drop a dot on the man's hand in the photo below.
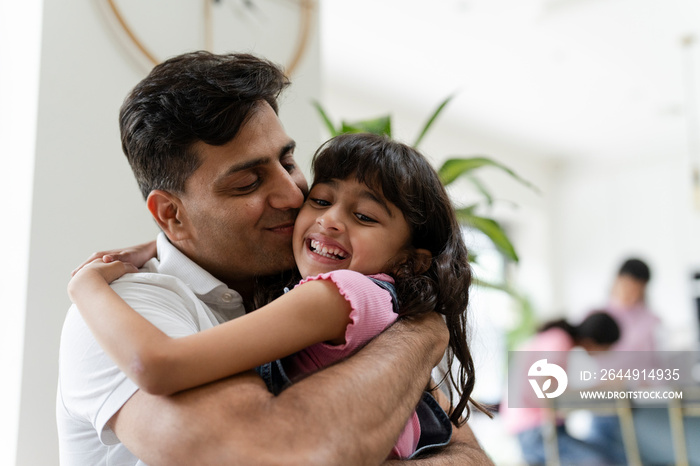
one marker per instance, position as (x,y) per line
(431,331)
(136,255)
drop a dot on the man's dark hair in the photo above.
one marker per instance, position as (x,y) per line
(193,97)
(636,269)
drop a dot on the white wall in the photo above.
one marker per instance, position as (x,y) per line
(84,197)
(605,213)
(19,83)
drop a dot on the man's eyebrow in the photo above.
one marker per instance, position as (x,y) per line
(248,164)
(289,147)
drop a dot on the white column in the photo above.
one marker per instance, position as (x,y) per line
(20,36)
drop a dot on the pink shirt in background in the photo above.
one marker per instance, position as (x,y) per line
(519,419)
(637,328)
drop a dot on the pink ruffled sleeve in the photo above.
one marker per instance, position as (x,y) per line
(372,312)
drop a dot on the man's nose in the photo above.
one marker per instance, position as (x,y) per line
(287,193)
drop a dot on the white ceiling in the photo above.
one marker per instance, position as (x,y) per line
(572,79)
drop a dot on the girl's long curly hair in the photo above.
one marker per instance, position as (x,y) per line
(406,179)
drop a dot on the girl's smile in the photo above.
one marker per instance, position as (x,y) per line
(326,247)
(346,225)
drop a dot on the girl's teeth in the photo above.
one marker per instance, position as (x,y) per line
(323,250)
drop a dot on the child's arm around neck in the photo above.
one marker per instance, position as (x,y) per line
(158,364)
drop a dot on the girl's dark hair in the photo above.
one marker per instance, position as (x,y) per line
(599,326)
(406,179)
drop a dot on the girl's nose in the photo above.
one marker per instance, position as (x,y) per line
(330,220)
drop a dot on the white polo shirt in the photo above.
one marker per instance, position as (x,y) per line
(177,296)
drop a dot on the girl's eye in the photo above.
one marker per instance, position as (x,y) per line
(364,218)
(320,202)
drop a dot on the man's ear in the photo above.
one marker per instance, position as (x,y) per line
(169,214)
(422,260)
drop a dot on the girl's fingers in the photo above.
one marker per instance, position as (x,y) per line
(137,255)
(130,268)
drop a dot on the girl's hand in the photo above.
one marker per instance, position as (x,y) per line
(110,271)
(136,255)
(105,272)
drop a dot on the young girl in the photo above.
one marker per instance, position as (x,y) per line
(377,235)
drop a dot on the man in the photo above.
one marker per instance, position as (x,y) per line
(639,327)
(217,170)
(628,306)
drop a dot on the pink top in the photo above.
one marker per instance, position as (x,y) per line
(371,312)
(520,419)
(637,328)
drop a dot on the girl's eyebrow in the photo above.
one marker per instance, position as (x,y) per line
(372,196)
(366,193)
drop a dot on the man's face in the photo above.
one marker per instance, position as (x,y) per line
(242,201)
(627,291)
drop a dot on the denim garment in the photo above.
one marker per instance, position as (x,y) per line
(572,451)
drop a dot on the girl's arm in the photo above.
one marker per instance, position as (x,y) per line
(312,313)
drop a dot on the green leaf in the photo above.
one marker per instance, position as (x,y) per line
(380,126)
(329,124)
(527,325)
(431,120)
(481,188)
(456,167)
(494,286)
(466,211)
(490,228)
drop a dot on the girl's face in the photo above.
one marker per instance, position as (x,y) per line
(346,225)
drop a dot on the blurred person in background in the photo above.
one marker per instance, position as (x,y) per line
(639,328)
(638,324)
(525,417)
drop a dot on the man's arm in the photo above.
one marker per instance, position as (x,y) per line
(349,413)
(464,448)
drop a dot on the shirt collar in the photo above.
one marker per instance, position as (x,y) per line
(173,262)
